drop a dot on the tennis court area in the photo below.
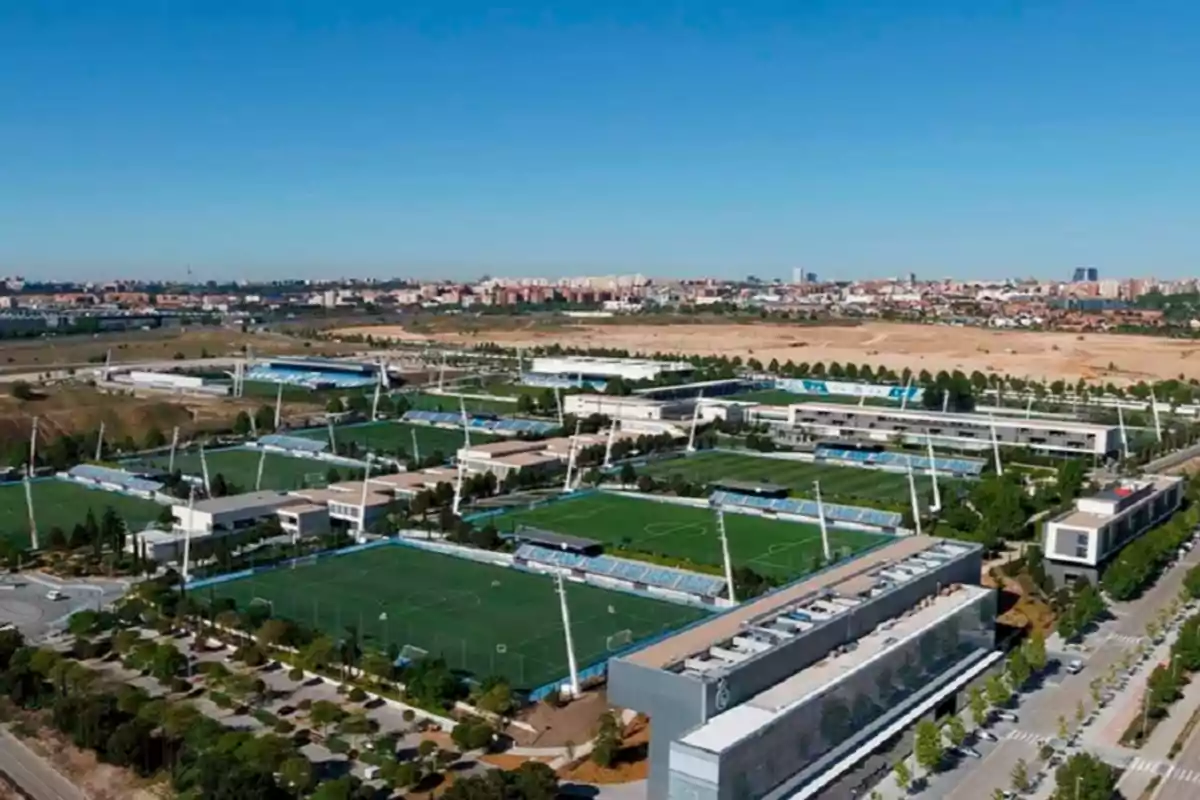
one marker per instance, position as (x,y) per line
(240,467)
(767,546)
(484,620)
(389,436)
(837,482)
(62,504)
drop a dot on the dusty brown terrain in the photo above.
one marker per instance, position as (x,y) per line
(1093,357)
(130,346)
(632,762)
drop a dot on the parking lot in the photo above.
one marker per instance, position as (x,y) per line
(25,601)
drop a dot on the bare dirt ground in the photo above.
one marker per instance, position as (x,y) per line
(1093,357)
(632,763)
(17,355)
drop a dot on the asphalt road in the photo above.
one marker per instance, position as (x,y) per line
(33,773)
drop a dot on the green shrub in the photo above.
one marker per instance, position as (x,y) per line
(296,674)
(284,727)
(336,744)
(357,695)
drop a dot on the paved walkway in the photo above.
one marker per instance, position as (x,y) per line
(34,774)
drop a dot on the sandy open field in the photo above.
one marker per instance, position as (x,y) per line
(1094,357)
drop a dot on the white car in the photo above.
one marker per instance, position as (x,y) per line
(1075,667)
(987,736)
(1007,716)
(55,594)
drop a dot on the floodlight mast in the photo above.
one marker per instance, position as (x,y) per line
(608,447)
(725,554)
(1157,421)
(571,458)
(937,495)
(253,426)
(29,473)
(362,504)
(559,403)
(262,460)
(375,401)
(466,423)
(912,491)
(204,472)
(907,388)
(100,442)
(1124,435)
(823,524)
(995,446)
(458,487)
(279,406)
(187,534)
(332,438)
(691,445)
(566,620)
(174,445)
(416,447)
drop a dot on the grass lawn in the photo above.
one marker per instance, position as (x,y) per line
(388,436)
(437,402)
(484,620)
(63,504)
(838,483)
(240,467)
(768,546)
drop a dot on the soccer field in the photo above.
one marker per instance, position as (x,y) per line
(838,483)
(483,619)
(388,436)
(61,504)
(240,467)
(436,402)
(768,546)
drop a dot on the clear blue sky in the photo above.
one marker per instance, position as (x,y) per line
(269,138)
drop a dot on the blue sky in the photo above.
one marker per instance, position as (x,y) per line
(270,139)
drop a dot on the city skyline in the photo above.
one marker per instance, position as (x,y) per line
(856,141)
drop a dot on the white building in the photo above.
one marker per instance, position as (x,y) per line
(233,513)
(510,457)
(628,407)
(1081,540)
(599,369)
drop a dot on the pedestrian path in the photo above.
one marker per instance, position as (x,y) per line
(1024,736)
(1126,639)
(1165,769)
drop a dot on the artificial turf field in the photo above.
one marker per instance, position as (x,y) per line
(388,436)
(437,402)
(768,546)
(62,504)
(240,467)
(837,482)
(483,619)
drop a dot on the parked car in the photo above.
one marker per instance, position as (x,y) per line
(1075,666)
(963,750)
(1007,716)
(987,736)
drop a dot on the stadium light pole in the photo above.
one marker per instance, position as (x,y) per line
(100,442)
(29,473)
(384,378)
(571,458)
(1124,435)
(904,397)
(912,491)
(458,486)
(995,446)
(174,445)
(253,426)
(725,554)
(107,363)
(945,402)
(375,400)
(187,534)
(362,501)
(612,435)
(1029,407)
(442,372)
(558,402)
(566,620)
(279,406)
(691,445)
(204,472)
(821,521)
(332,438)
(1157,421)
(462,409)
(262,461)
(416,447)
(937,495)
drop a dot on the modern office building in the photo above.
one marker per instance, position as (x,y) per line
(1080,541)
(596,372)
(628,407)
(951,430)
(783,695)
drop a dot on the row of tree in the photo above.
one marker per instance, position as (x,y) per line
(1141,561)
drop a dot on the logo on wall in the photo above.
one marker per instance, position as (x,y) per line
(722,694)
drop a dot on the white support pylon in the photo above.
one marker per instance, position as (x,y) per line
(384,377)
(691,444)
(1124,435)
(612,435)
(253,426)
(174,446)
(107,363)
(466,423)
(937,495)
(728,564)
(912,491)
(1029,407)
(187,533)
(458,487)
(33,531)
(279,406)
(945,402)
(375,401)
(416,447)
(572,666)
(100,442)
(442,372)
(995,445)
(558,402)
(332,438)
(262,462)
(825,549)
(1157,421)
(571,458)
(204,472)
(907,388)
(362,501)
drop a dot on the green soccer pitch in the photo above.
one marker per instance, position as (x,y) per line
(62,504)
(838,483)
(483,619)
(240,467)
(388,436)
(768,546)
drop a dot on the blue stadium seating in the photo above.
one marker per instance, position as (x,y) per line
(296,443)
(624,569)
(834,512)
(953,466)
(295,376)
(90,473)
(484,424)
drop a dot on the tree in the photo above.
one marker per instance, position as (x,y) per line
(241,424)
(1085,777)
(324,713)
(1017,669)
(1020,776)
(608,740)
(1035,651)
(472,734)
(297,775)
(1162,689)
(903,775)
(978,705)
(928,748)
(998,693)
(21,390)
(335,406)
(318,653)
(629,475)
(1064,730)
(955,730)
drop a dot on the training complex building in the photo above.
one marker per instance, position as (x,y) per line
(786,694)
(1079,542)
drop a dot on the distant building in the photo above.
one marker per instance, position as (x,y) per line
(800,277)
(1086,275)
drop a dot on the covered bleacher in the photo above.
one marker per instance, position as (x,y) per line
(834,512)
(557,541)
(296,444)
(109,478)
(952,466)
(485,424)
(756,488)
(623,569)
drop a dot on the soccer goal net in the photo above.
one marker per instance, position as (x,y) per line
(410,653)
(618,640)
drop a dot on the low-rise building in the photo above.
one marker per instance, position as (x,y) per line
(1079,542)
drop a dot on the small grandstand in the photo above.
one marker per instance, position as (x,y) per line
(484,424)
(958,467)
(638,574)
(112,480)
(887,521)
(316,373)
(293,444)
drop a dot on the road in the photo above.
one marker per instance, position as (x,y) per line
(33,773)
